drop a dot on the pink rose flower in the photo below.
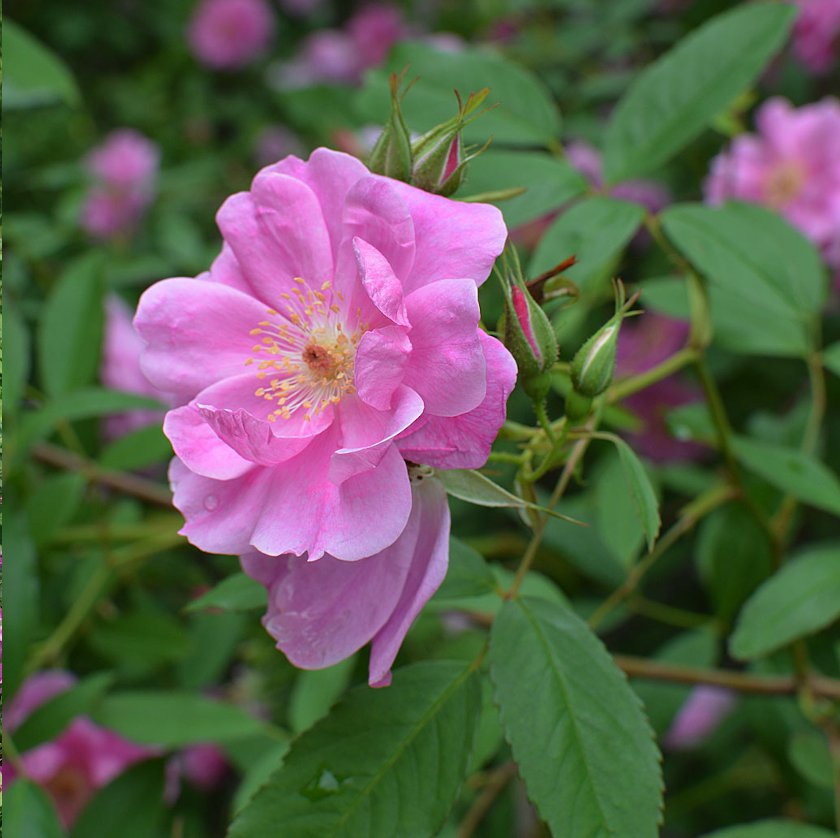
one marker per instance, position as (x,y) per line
(643,343)
(816,35)
(124,171)
(792,166)
(228,34)
(374,30)
(120,369)
(80,760)
(335,337)
(705,708)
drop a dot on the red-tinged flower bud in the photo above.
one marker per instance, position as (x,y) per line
(528,332)
(391,156)
(594,363)
(440,160)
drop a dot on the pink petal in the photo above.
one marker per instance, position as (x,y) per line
(277,232)
(454,239)
(225,269)
(464,441)
(367,432)
(330,175)
(295,508)
(426,541)
(446,366)
(375,212)
(322,612)
(380,364)
(382,286)
(198,445)
(196,332)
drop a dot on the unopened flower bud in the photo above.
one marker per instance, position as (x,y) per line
(391,156)
(439,158)
(528,332)
(594,363)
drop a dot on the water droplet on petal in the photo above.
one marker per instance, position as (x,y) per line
(211,502)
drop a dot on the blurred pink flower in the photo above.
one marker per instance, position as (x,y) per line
(203,766)
(124,171)
(120,369)
(275,142)
(322,612)
(335,336)
(587,160)
(228,34)
(643,343)
(792,166)
(361,292)
(705,708)
(80,760)
(341,56)
(816,35)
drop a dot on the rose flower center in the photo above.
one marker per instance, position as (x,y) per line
(306,356)
(783,184)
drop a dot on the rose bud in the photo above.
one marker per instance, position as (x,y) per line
(391,156)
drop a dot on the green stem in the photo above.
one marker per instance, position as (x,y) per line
(629,386)
(667,614)
(690,515)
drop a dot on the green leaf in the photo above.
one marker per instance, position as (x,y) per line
(48,720)
(213,642)
(28,812)
(549,182)
(831,358)
(583,746)
(790,470)
(678,95)
(810,755)
(53,504)
(33,74)
(140,639)
(617,511)
(640,489)
(20,600)
(15,359)
(82,404)
(474,487)
(174,719)
(734,556)
(799,600)
(771,829)
(766,280)
(316,691)
(137,450)
(238,592)
(525,115)
(468,574)
(131,806)
(384,762)
(70,330)
(595,230)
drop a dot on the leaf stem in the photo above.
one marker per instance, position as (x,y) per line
(669,366)
(495,785)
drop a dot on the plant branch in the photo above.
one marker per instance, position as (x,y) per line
(669,366)
(744,682)
(128,484)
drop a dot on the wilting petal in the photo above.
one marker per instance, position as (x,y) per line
(464,441)
(322,612)
(446,366)
(426,540)
(197,333)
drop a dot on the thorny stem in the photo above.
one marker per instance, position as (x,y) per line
(690,515)
(128,484)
